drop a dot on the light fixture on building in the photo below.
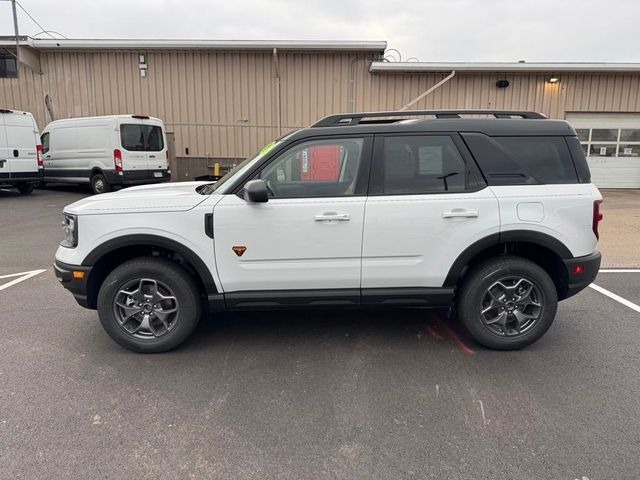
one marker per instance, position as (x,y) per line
(502,83)
(142,66)
(554,80)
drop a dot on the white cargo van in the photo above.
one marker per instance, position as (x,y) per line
(20,161)
(105,151)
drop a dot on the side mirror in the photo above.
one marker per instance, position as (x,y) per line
(255,191)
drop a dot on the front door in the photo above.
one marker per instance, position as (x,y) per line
(426,205)
(308,236)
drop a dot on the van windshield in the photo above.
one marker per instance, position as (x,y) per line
(141,138)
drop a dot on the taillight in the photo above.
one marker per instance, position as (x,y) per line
(117,160)
(597,216)
(39,155)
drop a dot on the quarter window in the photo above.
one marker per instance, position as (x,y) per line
(547,159)
(321,168)
(420,164)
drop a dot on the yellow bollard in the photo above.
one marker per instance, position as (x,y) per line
(216,169)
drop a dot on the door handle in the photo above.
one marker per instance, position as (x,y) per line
(327,217)
(47,156)
(460,214)
(152,156)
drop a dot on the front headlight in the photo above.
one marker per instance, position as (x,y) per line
(70,228)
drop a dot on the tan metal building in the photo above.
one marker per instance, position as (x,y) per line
(223,100)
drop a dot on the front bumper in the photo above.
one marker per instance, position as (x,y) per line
(580,281)
(77,286)
(139,177)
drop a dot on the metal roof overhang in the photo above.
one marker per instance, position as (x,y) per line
(507,67)
(195,44)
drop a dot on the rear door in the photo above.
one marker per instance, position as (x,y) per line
(144,146)
(22,139)
(427,203)
(5,165)
(132,141)
(155,145)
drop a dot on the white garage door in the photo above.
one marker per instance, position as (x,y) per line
(611,142)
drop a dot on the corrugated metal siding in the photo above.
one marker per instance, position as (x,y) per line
(224,104)
(585,92)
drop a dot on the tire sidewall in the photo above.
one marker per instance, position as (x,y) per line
(96,177)
(482,278)
(173,276)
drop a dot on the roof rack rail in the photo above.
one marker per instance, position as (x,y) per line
(356,118)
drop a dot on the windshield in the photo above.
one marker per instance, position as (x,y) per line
(212,187)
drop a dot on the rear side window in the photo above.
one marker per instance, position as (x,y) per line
(141,138)
(547,159)
(522,160)
(417,164)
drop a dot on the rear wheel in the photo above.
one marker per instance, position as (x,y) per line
(507,303)
(149,305)
(26,188)
(99,184)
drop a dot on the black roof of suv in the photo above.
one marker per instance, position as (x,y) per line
(494,122)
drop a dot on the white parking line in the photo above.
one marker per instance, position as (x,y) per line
(22,276)
(619,270)
(615,297)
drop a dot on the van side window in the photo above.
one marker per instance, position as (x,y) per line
(44,141)
(419,164)
(141,138)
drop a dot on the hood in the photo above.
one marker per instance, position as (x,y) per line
(164,197)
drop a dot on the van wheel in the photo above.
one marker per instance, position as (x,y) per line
(99,184)
(149,305)
(26,188)
(507,303)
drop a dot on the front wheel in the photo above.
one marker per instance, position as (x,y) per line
(149,305)
(507,303)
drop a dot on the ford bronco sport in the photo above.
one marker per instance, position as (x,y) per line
(488,213)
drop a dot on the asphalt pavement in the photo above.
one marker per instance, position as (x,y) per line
(306,395)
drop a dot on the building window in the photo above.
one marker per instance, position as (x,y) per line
(610,142)
(8,67)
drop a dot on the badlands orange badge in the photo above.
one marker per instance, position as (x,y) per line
(239,250)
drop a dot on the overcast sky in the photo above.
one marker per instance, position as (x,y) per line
(431,30)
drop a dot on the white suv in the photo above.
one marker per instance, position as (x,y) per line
(494,218)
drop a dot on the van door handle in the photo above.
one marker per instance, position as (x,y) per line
(328,217)
(460,214)
(152,156)
(47,156)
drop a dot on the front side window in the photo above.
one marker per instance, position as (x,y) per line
(141,138)
(44,141)
(419,164)
(320,168)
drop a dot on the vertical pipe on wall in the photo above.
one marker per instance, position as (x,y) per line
(15,31)
(278,101)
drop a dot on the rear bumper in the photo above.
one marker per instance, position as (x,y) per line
(580,281)
(77,286)
(139,177)
(20,177)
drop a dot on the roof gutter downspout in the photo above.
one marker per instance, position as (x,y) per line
(278,105)
(427,92)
